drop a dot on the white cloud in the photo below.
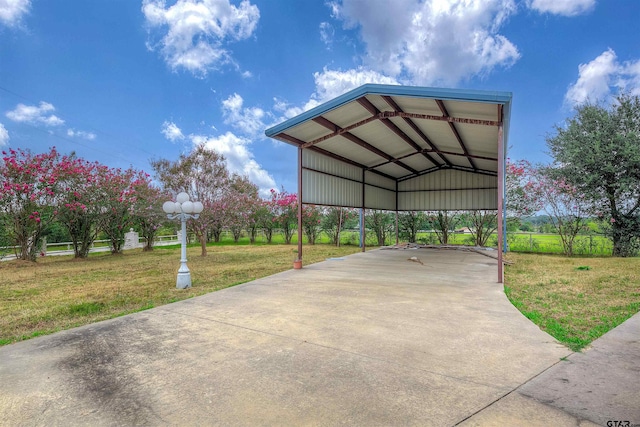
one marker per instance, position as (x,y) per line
(432,41)
(4,136)
(562,7)
(172,132)
(248,121)
(333,83)
(35,114)
(197,30)
(12,11)
(239,158)
(327,32)
(328,85)
(597,78)
(81,134)
(629,78)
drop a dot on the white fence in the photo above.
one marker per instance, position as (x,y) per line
(66,248)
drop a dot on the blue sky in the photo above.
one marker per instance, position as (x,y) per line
(124,81)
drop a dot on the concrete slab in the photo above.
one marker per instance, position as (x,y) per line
(601,384)
(371,339)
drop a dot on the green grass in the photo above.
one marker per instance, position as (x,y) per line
(575,303)
(60,292)
(576,300)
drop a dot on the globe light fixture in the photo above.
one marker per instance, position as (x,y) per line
(183,209)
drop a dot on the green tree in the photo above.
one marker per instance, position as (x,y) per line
(485,223)
(409,223)
(444,223)
(598,152)
(381,223)
(332,223)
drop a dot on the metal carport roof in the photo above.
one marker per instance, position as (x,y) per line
(402,148)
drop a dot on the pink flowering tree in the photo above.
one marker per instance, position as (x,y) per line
(217,221)
(285,206)
(257,216)
(118,203)
(242,197)
(148,215)
(29,192)
(521,198)
(204,176)
(566,206)
(81,204)
(311,220)
(266,218)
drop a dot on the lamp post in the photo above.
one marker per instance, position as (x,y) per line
(184,209)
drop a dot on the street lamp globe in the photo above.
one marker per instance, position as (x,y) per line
(183,209)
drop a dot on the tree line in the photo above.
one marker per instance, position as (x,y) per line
(594,176)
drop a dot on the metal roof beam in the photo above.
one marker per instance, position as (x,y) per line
(283,136)
(449,153)
(349,162)
(440,118)
(395,129)
(351,137)
(337,132)
(416,129)
(445,113)
(460,168)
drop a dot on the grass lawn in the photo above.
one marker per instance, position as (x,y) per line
(58,292)
(576,300)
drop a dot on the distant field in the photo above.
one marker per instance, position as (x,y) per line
(518,242)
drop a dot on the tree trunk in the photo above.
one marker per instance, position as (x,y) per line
(203,244)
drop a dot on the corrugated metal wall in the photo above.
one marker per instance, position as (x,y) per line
(380,181)
(321,189)
(339,185)
(328,181)
(317,161)
(378,198)
(448,190)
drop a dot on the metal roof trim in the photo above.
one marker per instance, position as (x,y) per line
(493,97)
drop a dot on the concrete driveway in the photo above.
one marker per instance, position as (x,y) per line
(371,339)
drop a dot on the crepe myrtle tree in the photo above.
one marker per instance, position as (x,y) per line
(256,220)
(29,193)
(285,208)
(118,203)
(409,223)
(332,222)
(311,220)
(567,208)
(483,224)
(148,215)
(444,223)
(597,152)
(381,223)
(522,199)
(267,219)
(203,175)
(81,205)
(216,211)
(242,198)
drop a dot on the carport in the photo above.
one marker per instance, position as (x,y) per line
(403,148)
